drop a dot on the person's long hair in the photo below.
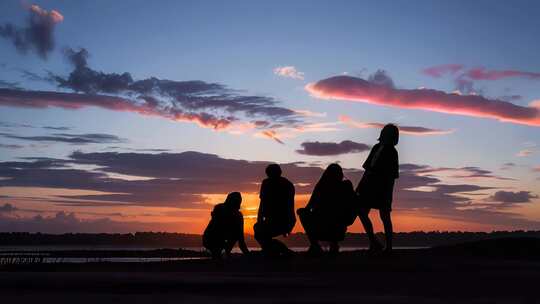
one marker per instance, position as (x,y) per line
(332,175)
(389,135)
(233,200)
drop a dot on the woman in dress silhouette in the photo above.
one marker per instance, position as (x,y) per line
(376,186)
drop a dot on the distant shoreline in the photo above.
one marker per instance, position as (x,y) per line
(181,240)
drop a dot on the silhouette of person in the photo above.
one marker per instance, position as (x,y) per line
(377,184)
(325,216)
(226,227)
(276,212)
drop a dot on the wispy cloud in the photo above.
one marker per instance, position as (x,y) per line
(8,146)
(316,148)
(441,70)
(210,105)
(511,198)
(465,78)
(38,33)
(524,153)
(478,73)
(272,135)
(508,166)
(182,179)
(289,72)
(410,130)
(78,139)
(308,113)
(485,74)
(282,132)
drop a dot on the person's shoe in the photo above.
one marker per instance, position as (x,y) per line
(314,251)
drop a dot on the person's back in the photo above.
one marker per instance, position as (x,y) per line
(276,212)
(277,204)
(224,223)
(329,210)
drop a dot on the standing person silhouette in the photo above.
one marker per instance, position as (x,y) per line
(325,217)
(226,227)
(375,189)
(276,212)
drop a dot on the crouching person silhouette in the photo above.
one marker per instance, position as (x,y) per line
(377,184)
(226,227)
(276,212)
(329,211)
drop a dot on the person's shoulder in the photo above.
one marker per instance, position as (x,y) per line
(218,210)
(347,183)
(239,215)
(394,150)
(286,181)
(390,149)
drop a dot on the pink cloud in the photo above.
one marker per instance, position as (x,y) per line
(524,153)
(360,90)
(272,135)
(289,72)
(74,101)
(440,70)
(478,73)
(483,74)
(409,130)
(54,16)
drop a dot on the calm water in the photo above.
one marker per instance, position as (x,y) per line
(198,249)
(7,251)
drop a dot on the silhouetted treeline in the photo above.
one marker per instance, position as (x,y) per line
(146,239)
(182,240)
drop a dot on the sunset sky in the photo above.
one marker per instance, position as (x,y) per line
(132,116)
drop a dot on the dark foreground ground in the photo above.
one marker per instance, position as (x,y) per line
(503,271)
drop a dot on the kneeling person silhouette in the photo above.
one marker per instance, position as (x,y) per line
(329,210)
(276,212)
(226,227)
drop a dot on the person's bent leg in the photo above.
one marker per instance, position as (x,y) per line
(216,253)
(307,222)
(334,248)
(388,229)
(214,246)
(280,248)
(262,236)
(368,227)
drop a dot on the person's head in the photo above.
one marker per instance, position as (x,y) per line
(273,171)
(389,135)
(332,173)
(233,200)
